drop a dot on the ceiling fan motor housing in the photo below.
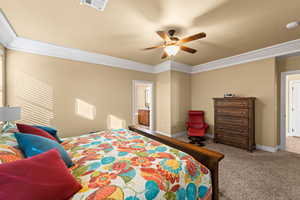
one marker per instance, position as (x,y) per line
(172,32)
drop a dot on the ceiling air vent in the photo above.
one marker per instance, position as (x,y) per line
(98,4)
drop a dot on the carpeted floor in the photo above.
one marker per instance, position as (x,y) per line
(257,176)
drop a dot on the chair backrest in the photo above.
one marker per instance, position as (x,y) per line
(196,117)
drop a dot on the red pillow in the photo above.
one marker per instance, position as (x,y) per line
(44,176)
(27,129)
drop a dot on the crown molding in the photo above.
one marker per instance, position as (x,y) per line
(7,33)
(282,49)
(46,49)
(172,65)
(180,67)
(162,67)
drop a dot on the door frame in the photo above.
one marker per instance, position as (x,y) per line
(283,102)
(152,105)
(291,84)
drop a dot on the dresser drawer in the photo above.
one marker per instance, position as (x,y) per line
(236,142)
(232,112)
(224,120)
(232,131)
(232,103)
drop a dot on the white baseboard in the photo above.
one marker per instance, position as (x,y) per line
(179,134)
(166,134)
(175,135)
(210,135)
(267,148)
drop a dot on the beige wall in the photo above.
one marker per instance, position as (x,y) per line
(288,63)
(50,89)
(180,100)
(163,99)
(255,79)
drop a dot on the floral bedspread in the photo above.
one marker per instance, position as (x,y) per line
(123,165)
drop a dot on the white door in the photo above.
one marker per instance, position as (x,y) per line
(294,127)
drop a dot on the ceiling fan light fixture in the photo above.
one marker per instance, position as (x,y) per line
(172,50)
(97,4)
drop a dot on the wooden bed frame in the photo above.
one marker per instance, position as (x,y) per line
(207,157)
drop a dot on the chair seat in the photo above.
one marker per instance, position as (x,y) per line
(196,132)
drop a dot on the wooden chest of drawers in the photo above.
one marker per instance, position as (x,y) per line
(235,122)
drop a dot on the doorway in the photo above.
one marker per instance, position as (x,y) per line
(142,105)
(290,131)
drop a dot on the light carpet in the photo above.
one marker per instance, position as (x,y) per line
(257,176)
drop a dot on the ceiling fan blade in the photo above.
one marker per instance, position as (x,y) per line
(163,35)
(154,47)
(164,55)
(193,37)
(188,49)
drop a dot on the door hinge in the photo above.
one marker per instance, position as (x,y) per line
(293,130)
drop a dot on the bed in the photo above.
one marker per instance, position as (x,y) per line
(134,165)
(122,164)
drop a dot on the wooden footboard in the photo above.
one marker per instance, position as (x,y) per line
(207,157)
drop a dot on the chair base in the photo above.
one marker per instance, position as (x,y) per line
(197,140)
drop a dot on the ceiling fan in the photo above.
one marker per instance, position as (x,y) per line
(173,44)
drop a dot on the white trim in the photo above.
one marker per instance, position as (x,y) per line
(46,49)
(162,67)
(42,48)
(172,65)
(267,148)
(281,49)
(283,107)
(210,135)
(152,105)
(180,67)
(291,83)
(7,33)
(163,133)
(179,134)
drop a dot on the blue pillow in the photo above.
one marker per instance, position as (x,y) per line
(32,145)
(51,131)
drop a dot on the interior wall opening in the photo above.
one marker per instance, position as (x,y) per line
(292,113)
(143,112)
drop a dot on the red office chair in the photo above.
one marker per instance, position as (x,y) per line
(196,127)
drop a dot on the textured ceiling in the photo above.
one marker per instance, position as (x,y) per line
(126,26)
